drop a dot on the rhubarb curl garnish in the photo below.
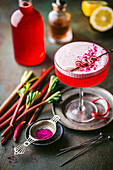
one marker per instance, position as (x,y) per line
(84,63)
(97,115)
(88,62)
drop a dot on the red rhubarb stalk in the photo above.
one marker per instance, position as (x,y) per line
(38,109)
(6,122)
(53,98)
(17,130)
(19,126)
(41,78)
(16,111)
(8,113)
(52,85)
(6,131)
(21,116)
(30,110)
(33,108)
(35,115)
(33,88)
(22,93)
(13,94)
(5,139)
(43,71)
(43,91)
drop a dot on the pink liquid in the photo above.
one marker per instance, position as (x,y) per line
(68,54)
(28,35)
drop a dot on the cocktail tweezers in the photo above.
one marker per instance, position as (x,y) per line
(87,146)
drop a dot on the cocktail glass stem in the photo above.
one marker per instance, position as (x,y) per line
(81,102)
(79,109)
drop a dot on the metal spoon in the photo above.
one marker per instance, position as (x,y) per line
(43,124)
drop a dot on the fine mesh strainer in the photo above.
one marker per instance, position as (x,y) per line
(43,124)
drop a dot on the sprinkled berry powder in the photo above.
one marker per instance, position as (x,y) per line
(43,134)
(12,160)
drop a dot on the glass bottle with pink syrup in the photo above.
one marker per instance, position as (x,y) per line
(27,35)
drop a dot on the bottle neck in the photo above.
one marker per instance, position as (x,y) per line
(59,6)
(25,6)
(59,9)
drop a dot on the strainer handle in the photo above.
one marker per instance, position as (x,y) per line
(21,148)
(55,118)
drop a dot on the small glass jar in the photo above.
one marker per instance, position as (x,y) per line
(59,24)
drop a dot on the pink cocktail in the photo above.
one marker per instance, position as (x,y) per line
(90,70)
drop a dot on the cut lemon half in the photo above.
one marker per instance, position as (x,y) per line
(89,6)
(102,18)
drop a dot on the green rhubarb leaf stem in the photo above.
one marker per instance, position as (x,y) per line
(31,98)
(52,85)
(56,97)
(53,82)
(26,76)
(24,90)
(51,88)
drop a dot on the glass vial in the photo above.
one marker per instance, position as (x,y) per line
(59,23)
(27,34)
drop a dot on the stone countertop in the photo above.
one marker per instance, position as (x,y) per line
(44,157)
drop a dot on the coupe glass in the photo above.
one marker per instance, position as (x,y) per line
(89,71)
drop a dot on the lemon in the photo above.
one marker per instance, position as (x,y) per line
(102,18)
(89,6)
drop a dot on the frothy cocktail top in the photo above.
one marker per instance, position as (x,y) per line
(68,55)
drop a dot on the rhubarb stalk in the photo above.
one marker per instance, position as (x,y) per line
(8,113)
(6,122)
(41,78)
(17,130)
(37,83)
(31,98)
(53,98)
(21,93)
(5,139)
(24,79)
(52,85)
